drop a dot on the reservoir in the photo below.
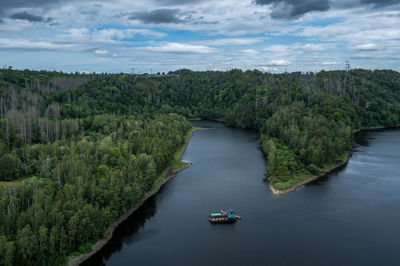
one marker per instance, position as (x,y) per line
(351,217)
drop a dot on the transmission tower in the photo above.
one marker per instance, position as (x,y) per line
(347,65)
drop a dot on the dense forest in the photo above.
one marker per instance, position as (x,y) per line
(77,150)
(306,120)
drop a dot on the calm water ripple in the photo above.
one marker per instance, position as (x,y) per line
(351,217)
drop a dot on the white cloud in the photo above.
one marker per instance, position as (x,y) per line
(104,36)
(358,28)
(236,33)
(269,69)
(179,48)
(279,62)
(296,47)
(100,52)
(250,52)
(231,41)
(34,45)
(328,63)
(310,47)
(366,47)
(126,33)
(278,48)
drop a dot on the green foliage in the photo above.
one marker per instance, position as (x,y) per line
(11,167)
(83,149)
(176,162)
(84,183)
(7,250)
(85,248)
(304,142)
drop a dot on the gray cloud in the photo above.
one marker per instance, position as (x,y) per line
(158,16)
(289,9)
(178,2)
(33,18)
(27,16)
(344,4)
(380,3)
(375,57)
(7,4)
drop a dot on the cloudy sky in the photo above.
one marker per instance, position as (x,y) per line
(162,35)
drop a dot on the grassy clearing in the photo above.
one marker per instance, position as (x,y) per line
(176,162)
(159,181)
(14,181)
(291,182)
(6,182)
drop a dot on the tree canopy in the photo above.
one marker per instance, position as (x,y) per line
(80,150)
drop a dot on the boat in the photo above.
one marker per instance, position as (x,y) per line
(222,216)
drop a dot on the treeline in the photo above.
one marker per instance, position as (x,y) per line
(79,185)
(307,120)
(25,114)
(299,143)
(332,104)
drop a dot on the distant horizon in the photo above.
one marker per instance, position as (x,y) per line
(174,70)
(159,35)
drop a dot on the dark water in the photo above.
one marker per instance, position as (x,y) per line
(351,217)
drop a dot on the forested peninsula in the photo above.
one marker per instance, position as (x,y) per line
(77,151)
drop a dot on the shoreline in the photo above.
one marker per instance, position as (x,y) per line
(310,179)
(366,129)
(333,168)
(168,174)
(315,177)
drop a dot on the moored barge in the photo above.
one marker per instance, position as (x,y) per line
(223,217)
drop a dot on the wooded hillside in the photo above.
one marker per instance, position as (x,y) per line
(79,150)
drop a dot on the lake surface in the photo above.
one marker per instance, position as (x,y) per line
(351,217)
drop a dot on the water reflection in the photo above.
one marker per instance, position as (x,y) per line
(350,217)
(126,233)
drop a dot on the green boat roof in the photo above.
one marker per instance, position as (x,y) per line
(216,214)
(231,216)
